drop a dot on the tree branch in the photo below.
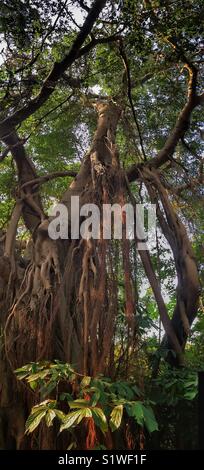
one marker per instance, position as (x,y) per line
(129,93)
(151,276)
(26,172)
(82,5)
(188,287)
(12,229)
(58,69)
(50,176)
(178,131)
(168,327)
(35,58)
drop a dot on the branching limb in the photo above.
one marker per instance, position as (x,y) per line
(179,129)
(35,58)
(58,69)
(154,283)
(26,172)
(188,288)
(129,93)
(11,230)
(42,179)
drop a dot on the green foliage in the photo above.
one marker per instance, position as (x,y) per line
(144,415)
(173,386)
(116,417)
(47,410)
(108,403)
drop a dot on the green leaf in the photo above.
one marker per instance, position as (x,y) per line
(44,405)
(33,385)
(75,417)
(123,390)
(95,397)
(71,420)
(85,381)
(50,415)
(39,375)
(116,417)
(190,395)
(79,403)
(66,396)
(21,374)
(136,411)
(71,446)
(34,420)
(100,447)
(150,420)
(60,415)
(100,419)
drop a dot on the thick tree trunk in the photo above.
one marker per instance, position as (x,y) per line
(62,301)
(65,306)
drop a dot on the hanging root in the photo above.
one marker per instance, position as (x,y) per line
(83,298)
(130,301)
(31,314)
(46,257)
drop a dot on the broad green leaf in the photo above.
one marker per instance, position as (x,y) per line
(79,403)
(66,396)
(44,405)
(149,419)
(100,419)
(33,385)
(71,420)
(50,415)
(72,446)
(136,390)
(75,417)
(136,411)
(39,375)
(34,420)
(60,415)
(85,381)
(21,374)
(190,395)
(95,397)
(116,417)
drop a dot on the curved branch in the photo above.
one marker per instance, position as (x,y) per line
(57,70)
(178,131)
(154,283)
(168,327)
(12,229)
(129,93)
(26,172)
(35,58)
(50,176)
(188,288)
